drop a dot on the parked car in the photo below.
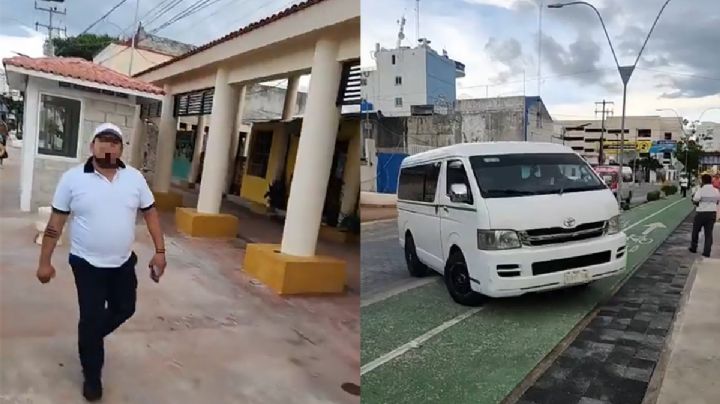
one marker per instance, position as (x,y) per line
(609,174)
(502,219)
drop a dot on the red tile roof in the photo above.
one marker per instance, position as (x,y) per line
(251,27)
(83,70)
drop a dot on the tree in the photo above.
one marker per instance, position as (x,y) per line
(645,165)
(84,46)
(692,153)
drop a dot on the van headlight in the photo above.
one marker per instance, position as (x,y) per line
(498,239)
(613,226)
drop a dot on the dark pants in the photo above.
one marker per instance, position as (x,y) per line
(96,287)
(684,191)
(706,221)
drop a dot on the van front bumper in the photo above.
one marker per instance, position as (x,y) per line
(519,262)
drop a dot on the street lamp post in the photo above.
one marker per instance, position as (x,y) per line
(625,74)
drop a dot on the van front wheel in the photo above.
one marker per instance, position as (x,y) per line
(415,267)
(457,280)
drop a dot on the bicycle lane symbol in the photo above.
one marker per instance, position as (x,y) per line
(636,240)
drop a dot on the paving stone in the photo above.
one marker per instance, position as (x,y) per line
(612,360)
(642,375)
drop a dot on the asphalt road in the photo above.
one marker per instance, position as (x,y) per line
(419,346)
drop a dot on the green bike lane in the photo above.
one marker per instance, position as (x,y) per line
(482,358)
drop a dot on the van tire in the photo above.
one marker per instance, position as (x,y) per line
(416,268)
(458,281)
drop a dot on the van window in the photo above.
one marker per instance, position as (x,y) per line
(419,183)
(432,172)
(533,174)
(456,174)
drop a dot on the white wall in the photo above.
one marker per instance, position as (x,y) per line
(711,129)
(40,173)
(410,64)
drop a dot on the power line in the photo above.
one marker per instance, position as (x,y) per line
(194,8)
(148,13)
(212,14)
(262,7)
(155,9)
(163,11)
(103,17)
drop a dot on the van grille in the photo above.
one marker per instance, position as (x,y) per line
(546,267)
(556,235)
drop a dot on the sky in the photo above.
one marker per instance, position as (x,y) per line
(219,17)
(498,42)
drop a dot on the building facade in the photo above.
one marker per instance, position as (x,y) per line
(506,119)
(411,76)
(708,136)
(641,134)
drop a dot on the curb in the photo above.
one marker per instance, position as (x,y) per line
(532,377)
(379,221)
(654,385)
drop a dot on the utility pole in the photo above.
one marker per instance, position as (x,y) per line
(604,112)
(50,50)
(135,34)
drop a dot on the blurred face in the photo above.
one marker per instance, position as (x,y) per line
(107,149)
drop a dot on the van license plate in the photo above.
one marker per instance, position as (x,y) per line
(580,276)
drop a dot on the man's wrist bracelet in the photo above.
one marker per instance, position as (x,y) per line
(160,251)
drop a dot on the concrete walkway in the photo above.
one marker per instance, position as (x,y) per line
(206,333)
(692,375)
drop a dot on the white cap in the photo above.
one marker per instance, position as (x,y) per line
(108,128)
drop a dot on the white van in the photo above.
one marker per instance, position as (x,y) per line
(508,218)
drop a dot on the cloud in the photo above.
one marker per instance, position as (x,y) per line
(30,43)
(507,4)
(508,53)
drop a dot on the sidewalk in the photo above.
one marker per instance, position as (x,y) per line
(692,372)
(206,333)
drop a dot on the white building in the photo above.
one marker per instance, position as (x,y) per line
(641,132)
(708,136)
(405,77)
(65,99)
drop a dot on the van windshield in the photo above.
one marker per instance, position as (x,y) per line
(510,175)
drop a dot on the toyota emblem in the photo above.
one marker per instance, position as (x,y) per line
(569,223)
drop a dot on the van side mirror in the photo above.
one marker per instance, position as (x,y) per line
(459,193)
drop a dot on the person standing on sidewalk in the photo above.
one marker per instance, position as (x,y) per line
(684,185)
(707,199)
(4,136)
(103,197)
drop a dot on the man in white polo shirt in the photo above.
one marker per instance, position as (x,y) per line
(102,198)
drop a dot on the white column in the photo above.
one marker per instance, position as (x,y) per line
(29,142)
(289,107)
(235,137)
(224,112)
(137,140)
(315,153)
(351,176)
(199,138)
(281,133)
(165,144)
